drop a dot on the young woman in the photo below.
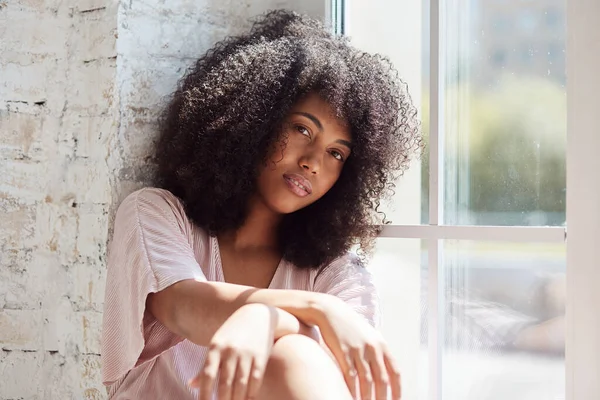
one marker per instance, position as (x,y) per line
(232,279)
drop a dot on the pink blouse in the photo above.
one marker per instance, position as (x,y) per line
(154,246)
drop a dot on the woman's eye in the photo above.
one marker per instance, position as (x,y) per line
(337,155)
(302,130)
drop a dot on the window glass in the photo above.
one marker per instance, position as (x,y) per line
(504,321)
(504,113)
(395,29)
(400,270)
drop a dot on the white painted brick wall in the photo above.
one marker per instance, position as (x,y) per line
(81,82)
(58,111)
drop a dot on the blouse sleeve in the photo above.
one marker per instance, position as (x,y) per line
(347,279)
(150,250)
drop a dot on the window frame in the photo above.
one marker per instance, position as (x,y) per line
(583,199)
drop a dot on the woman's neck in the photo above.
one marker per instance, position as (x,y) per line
(259,231)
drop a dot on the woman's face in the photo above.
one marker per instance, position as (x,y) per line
(308,160)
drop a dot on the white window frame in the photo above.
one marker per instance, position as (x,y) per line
(583,200)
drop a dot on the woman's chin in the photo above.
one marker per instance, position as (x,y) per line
(287,207)
(285,203)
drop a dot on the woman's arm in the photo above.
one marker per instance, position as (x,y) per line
(195,310)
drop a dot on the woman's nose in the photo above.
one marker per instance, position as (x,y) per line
(310,162)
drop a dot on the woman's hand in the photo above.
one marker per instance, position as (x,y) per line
(239,351)
(360,351)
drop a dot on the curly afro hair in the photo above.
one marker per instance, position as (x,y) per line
(227,114)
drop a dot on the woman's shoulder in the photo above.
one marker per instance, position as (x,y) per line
(347,265)
(153,194)
(149,200)
(155,205)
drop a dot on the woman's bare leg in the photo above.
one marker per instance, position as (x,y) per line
(299,369)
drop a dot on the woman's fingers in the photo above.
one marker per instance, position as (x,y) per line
(242,376)
(380,374)
(376,372)
(394,376)
(346,363)
(229,363)
(365,377)
(349,371)
(207,377)
(239,378)
(257,372)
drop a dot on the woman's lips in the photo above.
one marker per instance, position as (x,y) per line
(298,184)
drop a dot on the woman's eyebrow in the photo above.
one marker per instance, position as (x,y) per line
(345,143)
(314,119)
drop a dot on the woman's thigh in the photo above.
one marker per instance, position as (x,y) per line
(299,369)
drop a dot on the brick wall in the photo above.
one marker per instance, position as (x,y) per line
(81,83)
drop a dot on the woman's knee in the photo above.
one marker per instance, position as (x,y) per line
(293,349)
(300,369)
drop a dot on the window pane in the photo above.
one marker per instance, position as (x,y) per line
(504,112)
(504,321)
(400,268)
(383,26)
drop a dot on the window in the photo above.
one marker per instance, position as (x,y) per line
(554,18)
(479,291)
(527,19)
(500,24)
(499,57)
